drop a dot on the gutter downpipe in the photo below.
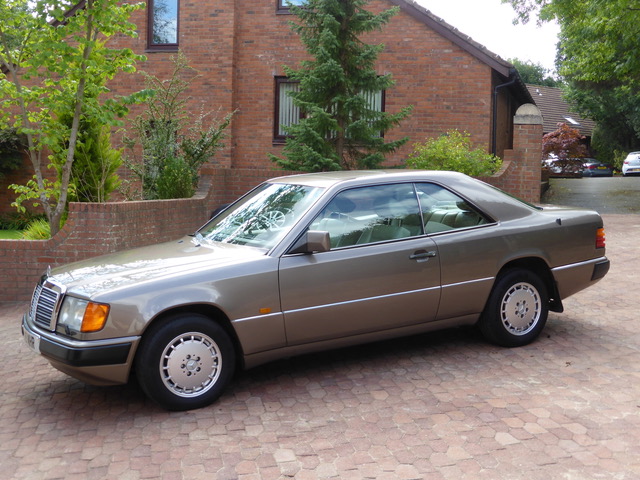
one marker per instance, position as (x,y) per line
(494,134)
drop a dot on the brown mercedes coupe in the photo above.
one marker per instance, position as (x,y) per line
(310,262)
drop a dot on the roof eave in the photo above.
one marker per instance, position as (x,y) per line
(452,34)
(466,43)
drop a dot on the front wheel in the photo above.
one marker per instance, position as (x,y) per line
(185,362)
(517,309)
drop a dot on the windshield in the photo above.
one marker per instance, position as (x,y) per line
(262,218)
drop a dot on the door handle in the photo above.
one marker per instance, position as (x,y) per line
(422,255)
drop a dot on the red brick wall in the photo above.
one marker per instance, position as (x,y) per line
(93,229)
(207,39)
(522,174)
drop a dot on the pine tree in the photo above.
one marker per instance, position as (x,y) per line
(339,130)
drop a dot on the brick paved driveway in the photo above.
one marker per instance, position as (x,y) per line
(439,406)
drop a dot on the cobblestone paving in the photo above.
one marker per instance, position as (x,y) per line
(438,406)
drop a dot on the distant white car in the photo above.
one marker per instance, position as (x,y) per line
(631,165)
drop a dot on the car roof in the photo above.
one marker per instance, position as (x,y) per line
(355,177)
(493,201)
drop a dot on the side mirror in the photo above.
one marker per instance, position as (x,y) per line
(313,241)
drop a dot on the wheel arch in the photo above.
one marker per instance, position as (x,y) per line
(210,311)
(538,266)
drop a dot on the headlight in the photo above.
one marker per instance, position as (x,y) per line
(82,316)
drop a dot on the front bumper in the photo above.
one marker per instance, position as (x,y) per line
(99,362)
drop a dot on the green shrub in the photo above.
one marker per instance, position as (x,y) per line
(176,179)
(453,151)
(95,163)
(38,229)
(18,220)
(618,159)
(171,137)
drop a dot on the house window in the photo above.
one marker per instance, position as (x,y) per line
(287,114)
(163,24)
(283,5)
(375,100)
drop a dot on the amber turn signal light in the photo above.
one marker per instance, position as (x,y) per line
(95,316)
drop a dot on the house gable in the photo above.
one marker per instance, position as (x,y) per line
(452,34)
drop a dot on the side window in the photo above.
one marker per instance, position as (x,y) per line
(371,214)
(163,24)
(443,210)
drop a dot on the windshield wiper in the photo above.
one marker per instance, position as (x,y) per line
(197,239)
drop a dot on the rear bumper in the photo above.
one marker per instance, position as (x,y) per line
(572,278)
(600,269)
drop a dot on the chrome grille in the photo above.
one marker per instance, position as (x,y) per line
(44,306)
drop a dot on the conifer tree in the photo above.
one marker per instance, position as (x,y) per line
(340,129)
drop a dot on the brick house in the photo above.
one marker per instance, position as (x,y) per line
(239,48)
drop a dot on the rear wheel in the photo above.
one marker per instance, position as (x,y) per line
(185,362)
(517,309)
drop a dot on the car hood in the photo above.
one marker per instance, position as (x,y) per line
(147,264)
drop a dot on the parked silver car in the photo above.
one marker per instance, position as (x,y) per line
(311,262)
(631,164)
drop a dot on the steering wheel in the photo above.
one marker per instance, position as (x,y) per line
(272,219)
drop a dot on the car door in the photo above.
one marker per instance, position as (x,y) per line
(381,273)
(468,244)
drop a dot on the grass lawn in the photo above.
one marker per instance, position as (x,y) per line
(10,234)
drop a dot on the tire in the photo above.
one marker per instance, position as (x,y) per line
(517,309)
(185,362)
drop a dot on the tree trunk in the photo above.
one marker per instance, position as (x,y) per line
(56,216)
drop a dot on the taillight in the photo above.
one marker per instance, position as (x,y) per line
(600,238)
